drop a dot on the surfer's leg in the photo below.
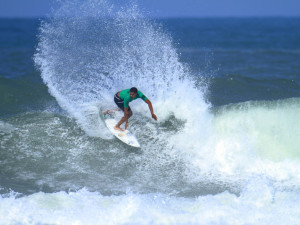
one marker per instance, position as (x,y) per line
(117,127)
(129,114)
(120,103)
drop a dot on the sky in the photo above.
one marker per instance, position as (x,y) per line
(172,8)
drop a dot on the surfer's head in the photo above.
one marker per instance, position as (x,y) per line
(133,92)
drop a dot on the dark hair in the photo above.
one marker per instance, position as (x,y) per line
(133,89)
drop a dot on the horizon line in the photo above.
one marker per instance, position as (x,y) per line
(174,17)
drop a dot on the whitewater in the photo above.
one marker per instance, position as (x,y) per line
(234,164)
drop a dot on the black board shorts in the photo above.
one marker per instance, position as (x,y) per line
(120,102)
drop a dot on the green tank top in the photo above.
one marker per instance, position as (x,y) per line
(125,96)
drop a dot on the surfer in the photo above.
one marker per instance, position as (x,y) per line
(122,98)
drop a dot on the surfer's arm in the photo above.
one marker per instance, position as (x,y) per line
(151,109)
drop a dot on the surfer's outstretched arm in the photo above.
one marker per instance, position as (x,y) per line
(151,109)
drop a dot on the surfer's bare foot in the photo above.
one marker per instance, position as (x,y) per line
(118,128)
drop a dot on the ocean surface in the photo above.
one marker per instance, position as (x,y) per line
(226,91)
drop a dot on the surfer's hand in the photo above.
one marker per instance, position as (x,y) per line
(126,125)
(154,116)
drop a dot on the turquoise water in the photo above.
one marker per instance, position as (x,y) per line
(225,149)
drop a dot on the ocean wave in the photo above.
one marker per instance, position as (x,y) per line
(258,204)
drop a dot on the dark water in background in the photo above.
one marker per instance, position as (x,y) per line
(232,149)
(21,86)
(247,59)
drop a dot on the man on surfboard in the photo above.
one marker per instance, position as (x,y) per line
(122,98)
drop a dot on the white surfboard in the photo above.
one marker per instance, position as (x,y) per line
(125,136)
